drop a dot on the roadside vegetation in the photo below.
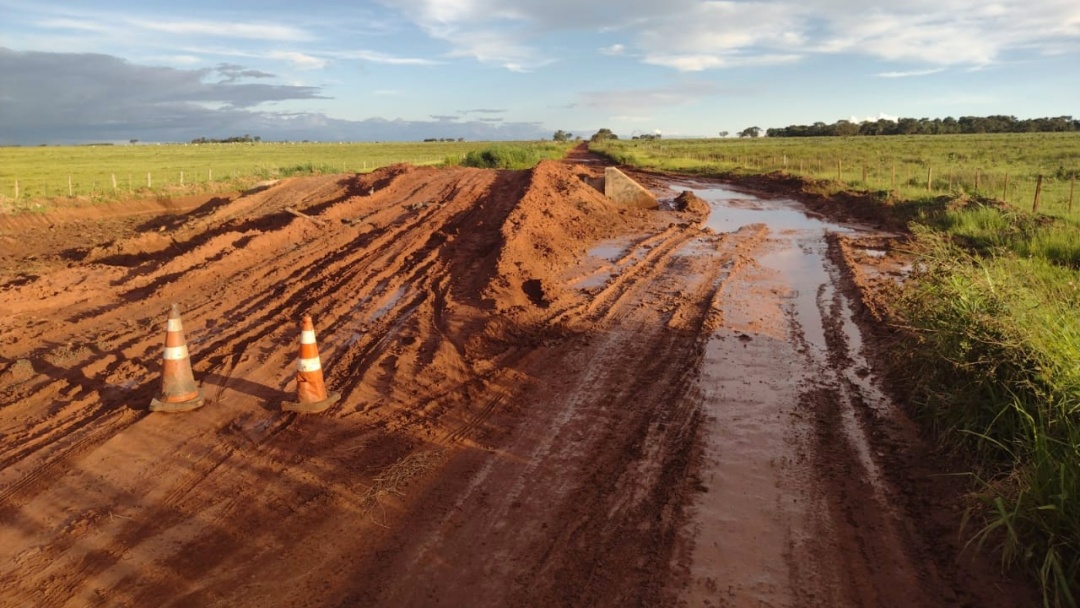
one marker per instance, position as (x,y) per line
(989,352)
(513,155)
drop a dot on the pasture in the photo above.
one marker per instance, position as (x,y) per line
(1005,166)
(36,175)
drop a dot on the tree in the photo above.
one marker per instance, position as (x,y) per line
(603,134)
(750,132)
(845,128)
(561,135)
(723,133)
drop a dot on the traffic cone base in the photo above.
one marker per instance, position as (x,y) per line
(311,408)
(157,405)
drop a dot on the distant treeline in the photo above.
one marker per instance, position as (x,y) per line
(931,126)
(237,139)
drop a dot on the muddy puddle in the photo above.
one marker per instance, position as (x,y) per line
(788,341)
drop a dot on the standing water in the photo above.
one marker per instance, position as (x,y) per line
(784,371)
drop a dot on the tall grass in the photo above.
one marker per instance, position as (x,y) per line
(989,228)
(995,369)
(514,156)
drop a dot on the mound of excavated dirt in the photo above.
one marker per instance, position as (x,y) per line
(688,201)
(554,223)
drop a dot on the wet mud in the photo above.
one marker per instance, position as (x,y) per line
(546,400)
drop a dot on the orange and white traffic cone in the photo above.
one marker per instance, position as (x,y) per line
(178,390)
(310,388)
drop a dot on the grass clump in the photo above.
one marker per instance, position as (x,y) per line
(991,228)
(514,156)
(995,370)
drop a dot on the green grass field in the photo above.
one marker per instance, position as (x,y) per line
(1007,166)
(43,172)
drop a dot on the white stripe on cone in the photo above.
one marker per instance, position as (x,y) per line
(310,365)
(307,336)
(174,353)
(175,325)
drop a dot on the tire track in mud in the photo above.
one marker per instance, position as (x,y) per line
(881,553)
(571,505)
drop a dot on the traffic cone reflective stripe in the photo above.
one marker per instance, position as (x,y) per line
(310,388)
(178,390)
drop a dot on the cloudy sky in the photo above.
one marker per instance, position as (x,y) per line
(113,70)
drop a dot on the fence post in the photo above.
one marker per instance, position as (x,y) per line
(1038,191)
(114,182)
(893,188)
(976,181)
(71,191)
(1005,190)
(839,171)
(17,192)
(209,175)
(181,179)
(148,182)
(929,178)
(1072,190)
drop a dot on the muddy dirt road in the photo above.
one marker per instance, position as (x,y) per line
(546,401)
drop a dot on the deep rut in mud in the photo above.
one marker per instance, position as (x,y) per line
(546,401)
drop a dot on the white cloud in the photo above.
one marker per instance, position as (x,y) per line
(909,73)
(177,59)
(880,116)
(74,24)
(298,59)
(490,31)
(694,35)
(697,63)
(224,29)
(377,57)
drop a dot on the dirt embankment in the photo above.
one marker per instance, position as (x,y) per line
(546,400)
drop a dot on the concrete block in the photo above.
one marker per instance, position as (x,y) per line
(625,191)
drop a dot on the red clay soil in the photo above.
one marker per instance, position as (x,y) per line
(546,401)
